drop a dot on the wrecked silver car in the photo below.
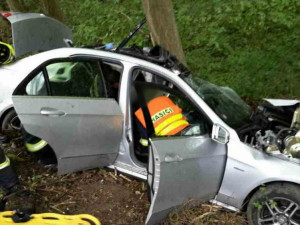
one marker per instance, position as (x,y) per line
(84,104)
(224,156)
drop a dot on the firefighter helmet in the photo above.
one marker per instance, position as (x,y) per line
(7,53)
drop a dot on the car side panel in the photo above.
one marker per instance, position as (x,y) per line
(248,168)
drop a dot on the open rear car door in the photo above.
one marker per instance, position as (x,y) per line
(75,116)
(182,169)
(84,133)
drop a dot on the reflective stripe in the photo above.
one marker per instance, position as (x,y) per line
(5,164)
(167,122)
(173,126)
(144,142)
(161,114)
(10,58)
(36,147)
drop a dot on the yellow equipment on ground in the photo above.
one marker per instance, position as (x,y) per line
(6,218)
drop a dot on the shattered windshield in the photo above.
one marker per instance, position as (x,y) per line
(222,100)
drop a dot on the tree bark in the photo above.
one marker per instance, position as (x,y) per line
(15,5)
(161,21)
(51,8)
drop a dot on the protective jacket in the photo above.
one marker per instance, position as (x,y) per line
(166,117)
(8,177)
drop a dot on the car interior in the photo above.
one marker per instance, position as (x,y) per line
(147,86)
(94,79)
(78,79)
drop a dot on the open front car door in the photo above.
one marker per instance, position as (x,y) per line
(187,164)
(183,169)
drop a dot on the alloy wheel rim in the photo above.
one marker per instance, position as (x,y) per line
(279,211)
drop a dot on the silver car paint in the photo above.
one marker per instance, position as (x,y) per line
(126,161)
(246,165)
(33,32)
(11,75)
(81,131)
(242,161)
(191,166)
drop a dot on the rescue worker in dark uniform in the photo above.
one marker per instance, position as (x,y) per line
(8,177)
(40,150)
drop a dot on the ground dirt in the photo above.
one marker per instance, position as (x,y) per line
(110,196)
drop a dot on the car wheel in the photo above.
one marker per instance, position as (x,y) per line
(275,204)
(10,121)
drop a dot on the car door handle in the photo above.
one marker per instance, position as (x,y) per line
(173,158)
(52,112)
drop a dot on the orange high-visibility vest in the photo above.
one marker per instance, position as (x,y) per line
(166,117)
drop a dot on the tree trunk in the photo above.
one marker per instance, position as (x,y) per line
(51,8)
(162,25)
(15,5)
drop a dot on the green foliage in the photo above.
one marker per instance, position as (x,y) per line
(262,188)
(250,45)
(34,182)
(264,200)
(257,205)
(272,204)
(96,21)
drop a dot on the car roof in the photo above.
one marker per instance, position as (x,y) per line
(28,64)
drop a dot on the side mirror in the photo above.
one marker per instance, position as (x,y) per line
(7,53)
(220,134)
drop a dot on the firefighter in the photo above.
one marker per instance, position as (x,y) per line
(8,177)
(167,119)
(40,150)
(7,53)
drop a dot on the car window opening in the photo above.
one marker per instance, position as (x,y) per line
(76,78)
(170,112)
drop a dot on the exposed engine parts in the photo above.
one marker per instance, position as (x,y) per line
(263,141)
(274,129)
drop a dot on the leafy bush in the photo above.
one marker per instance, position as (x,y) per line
(95,21)
(250,45)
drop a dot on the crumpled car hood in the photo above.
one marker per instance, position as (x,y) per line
(282,102)
(33,32)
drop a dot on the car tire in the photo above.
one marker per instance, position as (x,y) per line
(6,122)
(275,204)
